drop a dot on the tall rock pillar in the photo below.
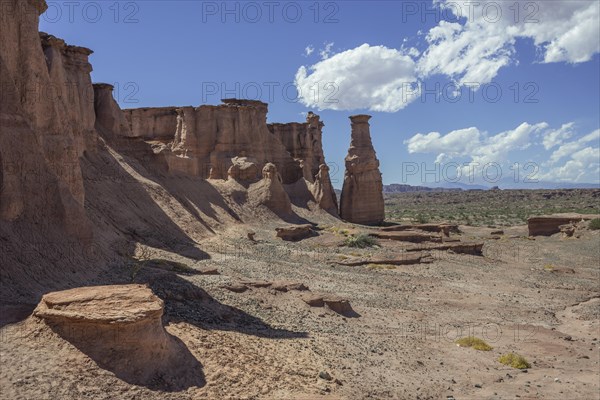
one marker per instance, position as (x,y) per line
(362,193)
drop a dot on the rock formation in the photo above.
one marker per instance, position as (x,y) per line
(269,191)
(323,191)
(304,142)
(77,170)
(362,193)
(295,232)
(109,117)
(546,225)
(47,117)
(120,328)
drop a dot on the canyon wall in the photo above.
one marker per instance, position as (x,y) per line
(304,143)
(77,171)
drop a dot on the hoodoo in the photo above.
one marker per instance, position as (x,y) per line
(362,194)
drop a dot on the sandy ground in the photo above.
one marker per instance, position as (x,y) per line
(539,298)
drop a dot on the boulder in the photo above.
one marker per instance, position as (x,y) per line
(313,300)
(362,193)
(120,328)
(295,232)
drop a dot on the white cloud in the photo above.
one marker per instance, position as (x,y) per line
(308,50)
(367,77)
(582,166)
(474,51)
(474,149)
(478,146)
(326,52)
(570,148)
(558,136)
(469,50)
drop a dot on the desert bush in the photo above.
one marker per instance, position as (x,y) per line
(422,219)
(514,360)
(595,224)
(360,241)
(474,342)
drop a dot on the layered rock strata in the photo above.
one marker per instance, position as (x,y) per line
(362,193)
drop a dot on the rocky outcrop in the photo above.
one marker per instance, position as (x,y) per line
(304,143)
(210,137)
(120,328)
(243,169)
(110,120)
(546,225)
(323,191)
(362,193)
(47,118)
(269,192)
(157,123)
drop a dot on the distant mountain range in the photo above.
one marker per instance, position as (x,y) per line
(507,184)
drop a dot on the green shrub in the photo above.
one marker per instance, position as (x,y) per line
(595,224)
(476,343)
(422,219)
(514,360)
(360,241)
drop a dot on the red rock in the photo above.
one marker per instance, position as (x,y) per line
(362,193)
(295,232)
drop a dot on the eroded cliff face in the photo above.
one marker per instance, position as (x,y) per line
(304,143)
(82,182)
(206,141)
(362,194)
(47,121)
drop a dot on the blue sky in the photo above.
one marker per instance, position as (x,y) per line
(384,58)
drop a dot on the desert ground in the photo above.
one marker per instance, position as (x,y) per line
(537,297)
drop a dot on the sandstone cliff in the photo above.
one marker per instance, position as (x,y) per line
(362,193)
(303,142)
(82,182)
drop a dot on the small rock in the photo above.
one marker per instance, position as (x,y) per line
(478,385)
(325,375)
(236,287)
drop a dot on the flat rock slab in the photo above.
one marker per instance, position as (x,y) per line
(101,304)
(546,225)
(439,228)
(334,303)
(473,248)
(295,232)
(407,236)
(403,259)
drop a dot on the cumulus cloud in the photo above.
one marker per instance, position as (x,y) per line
(477,147)
(473,149)
(569,148)
(474,51)
(470,48)
(308,50)
(367,77)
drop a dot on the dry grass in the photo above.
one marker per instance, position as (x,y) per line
(474,342)
(514,360)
